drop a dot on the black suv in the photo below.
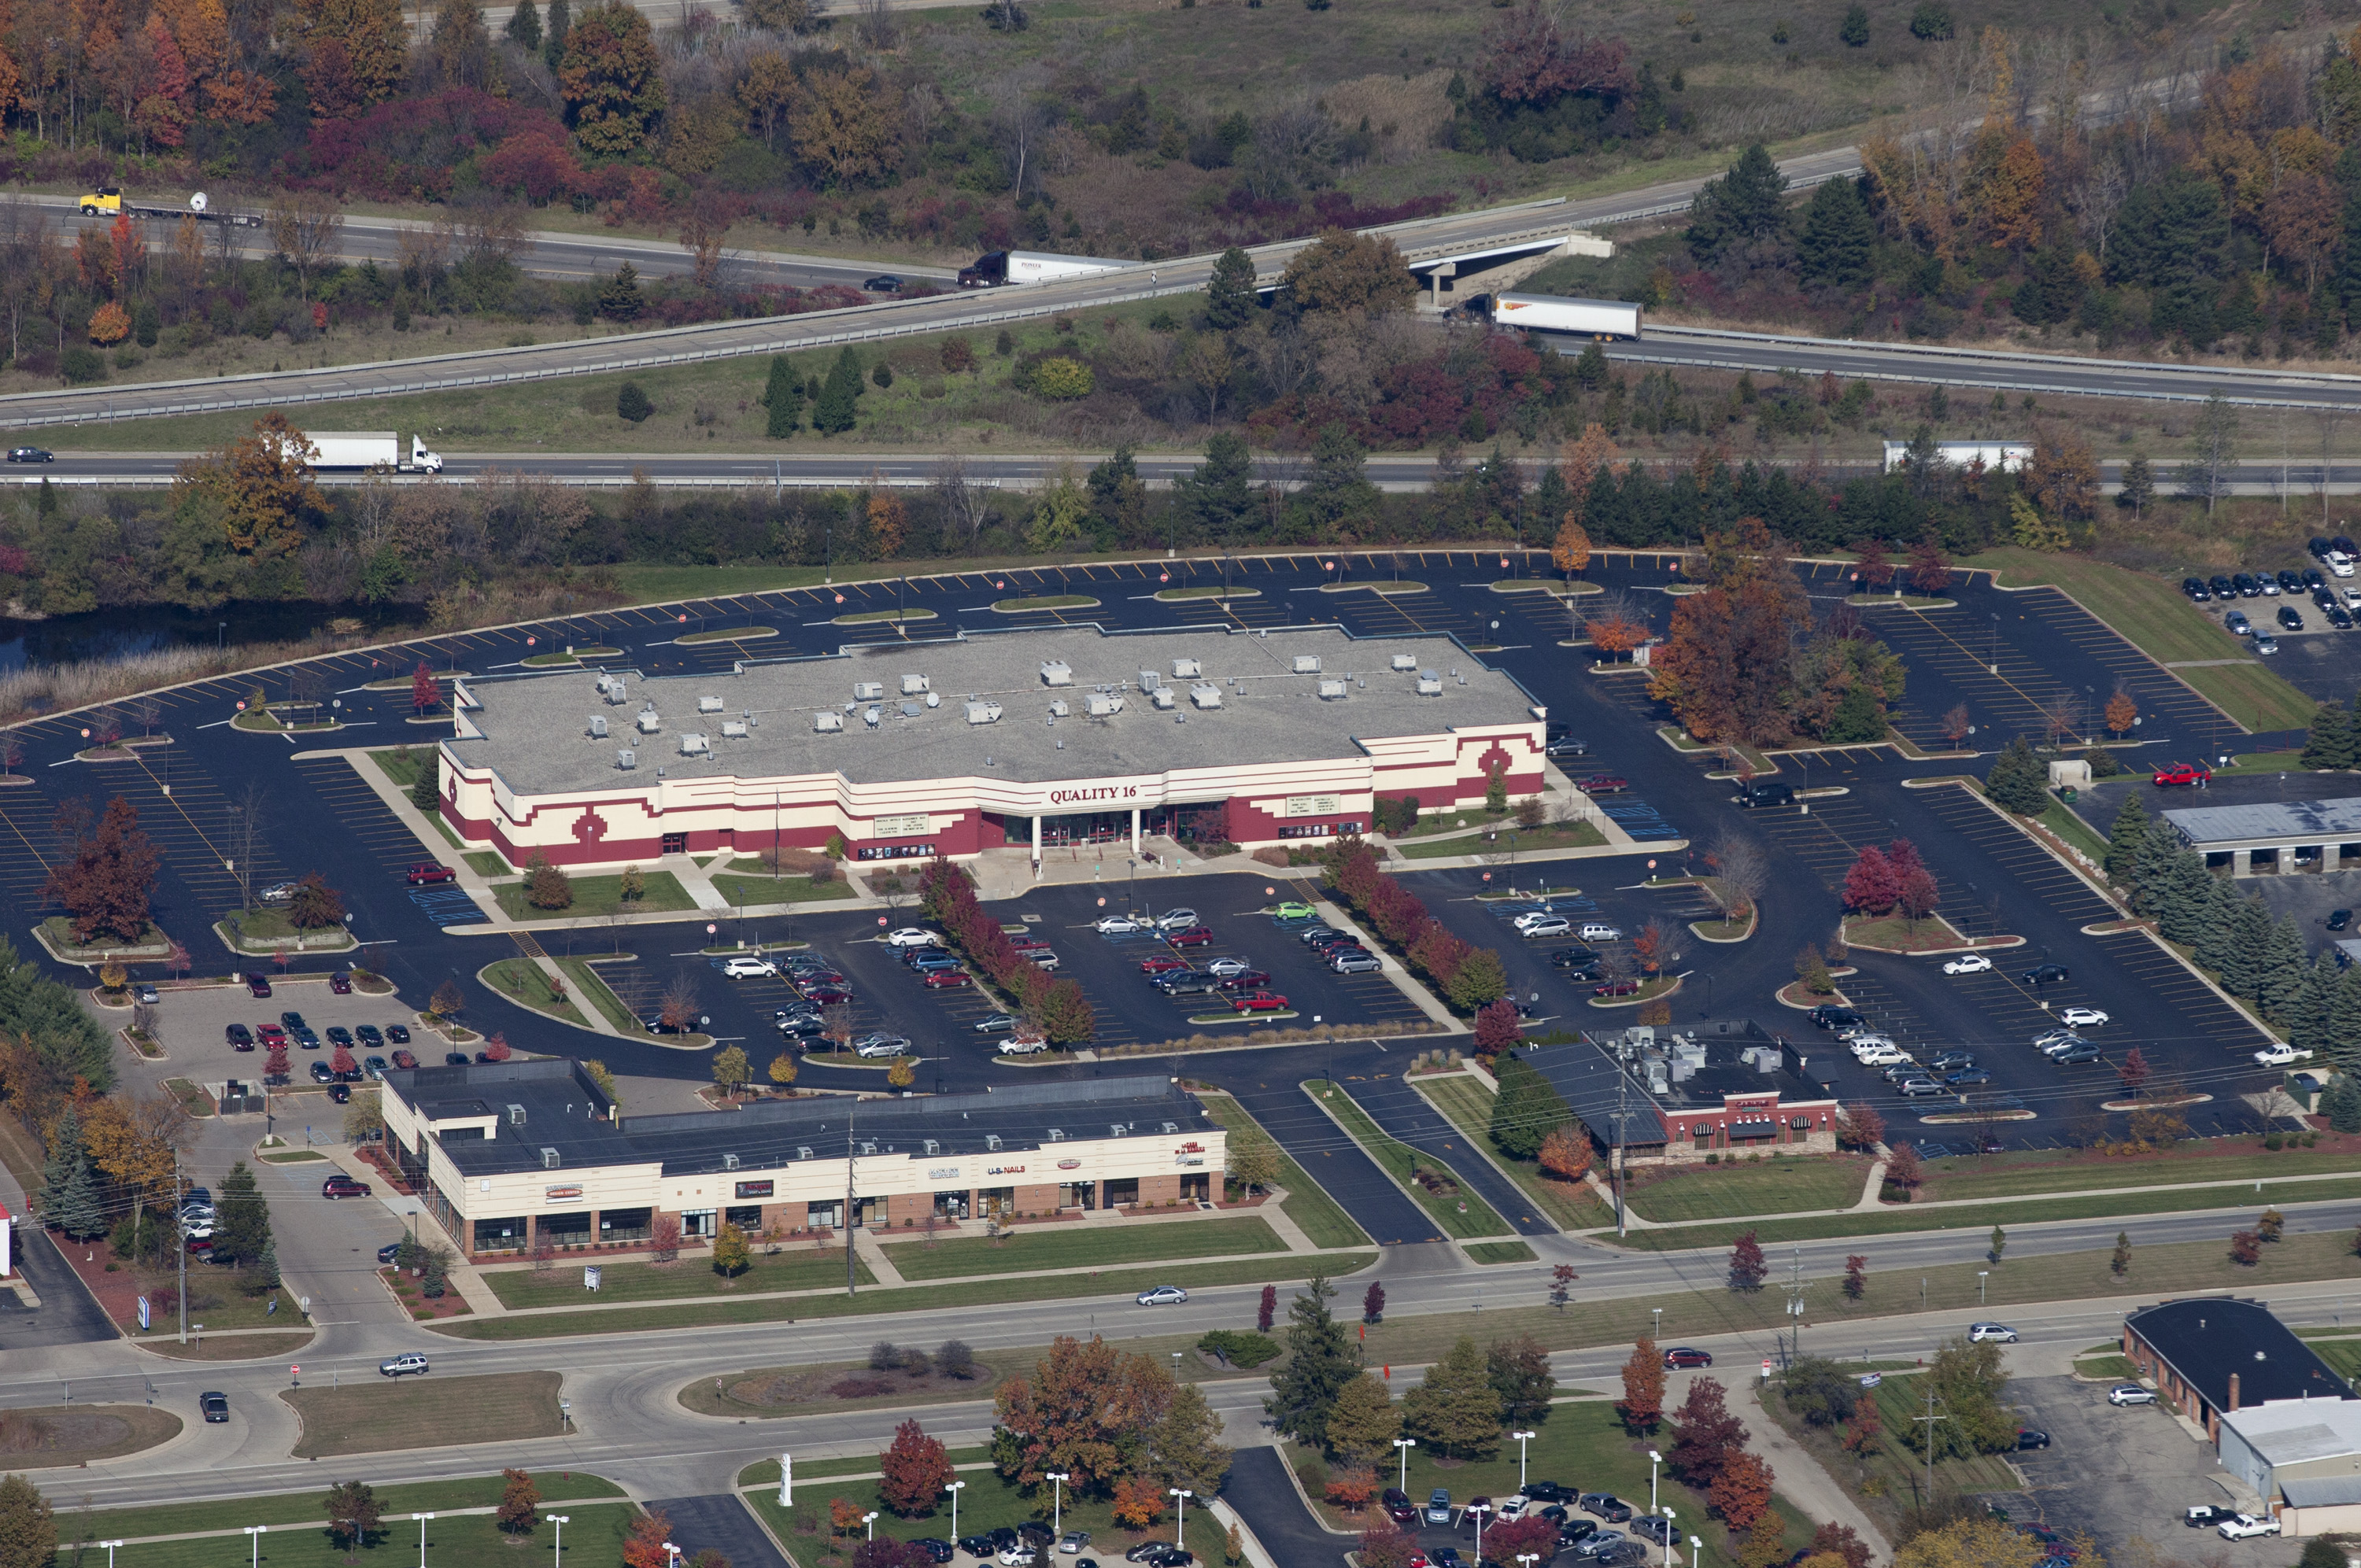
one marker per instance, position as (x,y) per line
(1829,1015)
(2196,589)
(1548,1492)
(1766,793)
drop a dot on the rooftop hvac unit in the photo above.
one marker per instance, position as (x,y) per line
(983,712)
(1161,696)
(1331,689)
(614,690)
(912,685)
(627,761)
(548,1159)
(1205,694)
(1429,684)
(868,691)
(693,745)
(733,729)
(827,723)
(1172,1126)
(708,705)
(1149,680)
(803,1151)
(873,717)
(605,680)
(1307,664)
(598,727)
(931,1147)
(868,1147)
(934,699)
(1116,1129)
(516,1115)
(1057,1135)
(992,1140)
(1187,669)
(649,722)
(1105,704)
(1059,708)
(1057,673)
(729,1162)
(912,709)
(1405,660)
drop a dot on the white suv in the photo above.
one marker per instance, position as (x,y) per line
(1595,931)
(750,969)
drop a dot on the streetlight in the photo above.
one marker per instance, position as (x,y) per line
(1697,1550)
(1181,1518)
(1980,1285)
(1669,1533)
(1479,1510)
(672,1555)
(1520,1437)
(1057,1480)
(254,1534)
(1654,1458)
(954,1488)
(557,1547)
(868,1526)
(423,1520)
(1403,1445)
(111,1545)
(1656,1332)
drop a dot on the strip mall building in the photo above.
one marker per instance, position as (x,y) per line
(998,740)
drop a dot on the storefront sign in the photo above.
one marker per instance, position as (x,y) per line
(754,1190)
(561,1194)
(1006,1170)
(899,827)
(1085,795)
(1192,1147)
(1313,805)
(1070,1164)
(943,1173)
(589,1277)
(1189,1159)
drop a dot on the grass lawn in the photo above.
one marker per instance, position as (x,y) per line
(1316,1213)
(301,1507)
(1549,836)
(294,1156)
(1888,1479)
(597,895)
(744,891)
(370,1418)
(1469,1105)
(2344,1354)
(2251,695)
(766,1472)
(805,1268)
(985,1503)
(2148,610)
(1902,936)
(586,983)
(194,1098)
(2060,819)
(2253,762)
(1462,1214)
(402,765)
(524,981)
(2119,1365)
(465,1541)
(2048,1170)
(728,634)
(214,1301)
(1084,1246)
(1501,1251)
(486,863)
(1760,1187)
(1280,1268)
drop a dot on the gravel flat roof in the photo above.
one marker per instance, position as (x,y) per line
(2303,819)
(533,731)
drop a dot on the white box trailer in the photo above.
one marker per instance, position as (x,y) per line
(1553,313)
(371,449)
(1997,456)
(1001,266)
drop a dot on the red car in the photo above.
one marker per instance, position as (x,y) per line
(948,979)
(1192,937)
(343,1185)
(1162,963)
(341,983)
(825,995)
(1686,1356)
(258,985)
(1260,1002)
(1626,987)
(429,871)
(2182,773)
(272,1034)
(1252,980)
(1602,783)
(403,1059)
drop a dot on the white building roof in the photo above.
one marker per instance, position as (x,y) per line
(2296,1432)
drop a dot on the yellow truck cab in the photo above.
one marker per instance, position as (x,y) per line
(104,202)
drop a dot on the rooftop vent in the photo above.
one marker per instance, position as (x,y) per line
(1405,660)
(1429,684)
(992,1140)
(983,712)
(733,729)
(1187,669)
(1149,680)
(1059,708)
(1057,673)
(548,1159)
(1057,1135)
(693,745)
(913,685)
(827,723)
(1163,696)
(1116,1129)
(1205,694)
(708,705)
(598,727)
(868,1147)
(516,1115)
(1307,664)
(729,1162)
(627,761)
(873,717)
(1331,689)
(912,709)
(1104,705)
(649,721)
(1172,1126)
(868,691)
(803,1151)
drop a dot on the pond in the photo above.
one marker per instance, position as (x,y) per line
(111,633)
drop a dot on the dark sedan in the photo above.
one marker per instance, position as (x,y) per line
(883,283)
(32,455)
(1687,1355)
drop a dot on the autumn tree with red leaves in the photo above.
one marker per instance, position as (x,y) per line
(1642,1404)
(1741,1493)
(1747,1265)
(643,1543)
(913,1470)
(1705,1434)
(1859,1127)
(425,692)
(1530,59)
(106,875)
(1870,886)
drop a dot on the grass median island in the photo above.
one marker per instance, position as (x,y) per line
(1280,1268)
(727,634)
(595,896)
(2060,818)
(280,1508)
(2017,1172)
(602,996)
(524,982)
(1549,836)
(1760,1187)
(766,1472)
(1436,1187)
(1468,1106)
(400,1413)
(1045,602)
(1317,1216)
(49,1436)
(800,1268)
(1501,1252)
(1086,1245)
(1206,591)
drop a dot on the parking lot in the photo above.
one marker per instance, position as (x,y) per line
(2315,655)
(191,1026)
(2116,1474)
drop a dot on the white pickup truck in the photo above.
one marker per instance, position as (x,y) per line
(2280,1056)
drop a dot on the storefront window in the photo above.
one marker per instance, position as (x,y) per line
(951,1205)
(1116,1194)
(500,1235)
(748,1218)
(825,1216)
(696,1222)
(624,1224)
(565,1229)
(997,1200)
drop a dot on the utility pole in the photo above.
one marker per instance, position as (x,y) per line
(1622,1086)
(180,1246)
(851,1287)
(1795,1284)
(1929,1420)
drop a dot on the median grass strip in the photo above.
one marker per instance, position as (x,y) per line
(743,891)
(1757,1187)
(524,981)
(280,1508)
(1317,1216)
(1460,1213)
(1469,1105)
(766,1472)
(366,1418)
(461,1540)
(806,1269)
(1549,836)
(1084,1246)
(598,895)
(1501,1252)
(586,983)
(1045,602)
(2021,1171)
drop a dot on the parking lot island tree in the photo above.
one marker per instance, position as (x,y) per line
(1321,1361)
(107,874)
(1642,1407)
(1364,1421)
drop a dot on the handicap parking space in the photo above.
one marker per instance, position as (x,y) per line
(449,904)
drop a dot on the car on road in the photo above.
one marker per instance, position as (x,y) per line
(1974,963)
(948,979)
(409,1363)
(1162,1296)
(2045,974)
(883,283)
(912,936)
(214,1405)
(1260,1002)
(1355,962)
(426,871)
(32,455)
(749,968)
(2204,1514)
(2187,774)
(2081,1017)
(1022,1045)
(404,1061)
(2030,1438)
(1991,1333)
(1687,1355)
(2241,1527)
(343,1185)
(257,986)
(1116,926)
(2124,1394)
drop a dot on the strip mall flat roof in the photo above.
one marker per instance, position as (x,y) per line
(2298,821)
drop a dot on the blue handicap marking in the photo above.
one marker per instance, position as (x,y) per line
(1640,819)
(449,906)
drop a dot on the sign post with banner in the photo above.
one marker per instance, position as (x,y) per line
(589,1277)
(146,1320)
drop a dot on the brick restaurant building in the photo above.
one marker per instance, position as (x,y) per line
(1019,740)
(504,1153)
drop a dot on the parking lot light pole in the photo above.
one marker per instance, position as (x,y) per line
(1403,1445)
(254,1534)
(421,1519)
(1980,1273)
(954,1488)
(1057,1480)
(672,1555)
(868,1526)
(1479,1510)
(1521,1437)
(1654,1458)
(1697,1550)
(557,1547)
(111,1545)
(1669,1534)
(1181,1518)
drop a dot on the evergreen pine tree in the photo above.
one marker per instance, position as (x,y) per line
(2185,897)
(66,1149)
(74,1207)
(2341,1104)
(524,26)
(836,411)
(1742,206)
(2017,781)
(783,397)
(619,298)
(553,42)
(1230,296)
(2328,742)
(2138,490)
(2306,1019)
(2151,864)
(1837,234)
(1855,31)
(2345,1024)
(2124,839)
(2281,969)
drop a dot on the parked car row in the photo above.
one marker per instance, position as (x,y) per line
(818,984)
(1592,1539)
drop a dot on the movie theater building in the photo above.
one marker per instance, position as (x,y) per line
(1022,740)
(509,1153)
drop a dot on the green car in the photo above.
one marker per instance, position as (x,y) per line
(1292,912)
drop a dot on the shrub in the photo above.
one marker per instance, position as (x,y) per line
(80,365)
(631,403)
(1061,379)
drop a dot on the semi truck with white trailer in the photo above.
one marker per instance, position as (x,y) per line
(371,449)
(995,267)
(1552,312)
(107,201)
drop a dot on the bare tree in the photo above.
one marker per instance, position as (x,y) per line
(225,212)
(305,226)
(2325,422)
(243,837)
(1955,725)
(2062,716)
(878,28)
(960,499)
(1018,124)
(677,1012)
(1740,872)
